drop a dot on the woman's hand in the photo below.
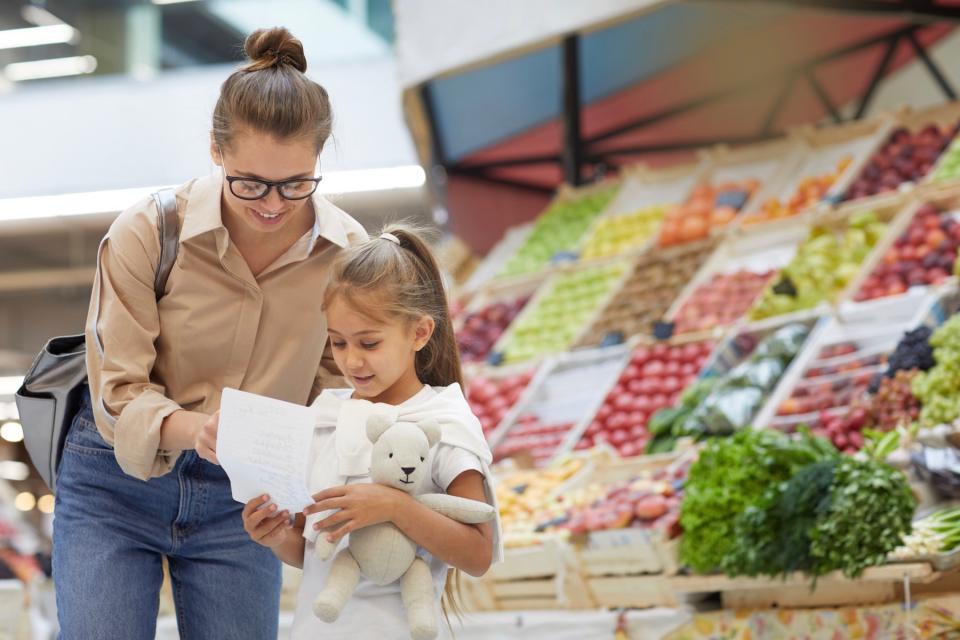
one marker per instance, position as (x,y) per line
(263,524)
(206,443)
(360,505)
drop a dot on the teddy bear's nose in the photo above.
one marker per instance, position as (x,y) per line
(408,470)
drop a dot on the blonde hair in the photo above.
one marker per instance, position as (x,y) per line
(402,279)
(271,94)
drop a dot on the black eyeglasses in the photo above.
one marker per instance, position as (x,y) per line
(254,188)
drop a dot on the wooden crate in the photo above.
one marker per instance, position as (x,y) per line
(544,577)
(913,120)
(565,194)
(770,163)
(876,329)
(644,186)
(823,148)
(547,287)
(876,585)
(496,292)
(947,199)
(577,408)
(697,252)
(895,208)
(486,271)
(633,592)
(769,246)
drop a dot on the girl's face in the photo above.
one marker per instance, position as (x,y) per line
(377,356)
(259,155)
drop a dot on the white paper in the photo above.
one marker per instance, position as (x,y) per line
(263,444)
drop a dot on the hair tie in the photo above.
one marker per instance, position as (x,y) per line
(392,238)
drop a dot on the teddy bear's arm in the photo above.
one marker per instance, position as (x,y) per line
(457,508)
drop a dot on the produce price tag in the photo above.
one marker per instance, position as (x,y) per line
(615,538)
(663,330)
(785,287)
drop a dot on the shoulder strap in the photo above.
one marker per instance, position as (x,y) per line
(168,223)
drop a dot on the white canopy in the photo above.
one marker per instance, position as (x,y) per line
(438,36)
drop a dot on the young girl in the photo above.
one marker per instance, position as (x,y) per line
(392,339)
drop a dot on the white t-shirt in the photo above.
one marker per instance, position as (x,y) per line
(374,611)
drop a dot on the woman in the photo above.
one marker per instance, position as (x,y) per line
(242,308)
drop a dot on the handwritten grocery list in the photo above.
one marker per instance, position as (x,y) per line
(263,444)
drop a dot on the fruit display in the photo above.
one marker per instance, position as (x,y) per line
(490,398)
(655,378)
(948,168)
(721,301)
(528,497)
(615,234)
(559,229)
(720,405)
(708,207)
(822,268)
(481,329)
(924,254)
(649,501)
(532,435)
(938,389)
(893,405)
(905,157)
(912,352)
(809,192)
(834,381)
(552,322)
(560,402)
(653,284)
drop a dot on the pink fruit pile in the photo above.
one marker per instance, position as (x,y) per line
(491,398)
(532,436)
(836,380)
(654,379)
(893,404)
(907,156)
(481,329)
(647,503)
(924,254)
(721,301)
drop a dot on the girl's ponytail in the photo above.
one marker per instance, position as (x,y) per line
(438,363)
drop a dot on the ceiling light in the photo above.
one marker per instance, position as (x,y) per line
(36,36)
(25,501)
(14,470)
(46,503)
(11,432)
(171,1)
(51,68)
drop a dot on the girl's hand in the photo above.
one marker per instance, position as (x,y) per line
(360,505)
(263,524)
(206,443)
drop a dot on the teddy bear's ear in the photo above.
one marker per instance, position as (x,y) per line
(377,425)
(432,429)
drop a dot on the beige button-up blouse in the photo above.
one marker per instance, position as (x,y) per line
(217,325)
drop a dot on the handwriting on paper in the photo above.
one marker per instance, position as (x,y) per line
(263,445)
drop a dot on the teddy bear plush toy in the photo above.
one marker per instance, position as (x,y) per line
(381,552)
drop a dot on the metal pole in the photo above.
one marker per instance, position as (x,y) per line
(932,67)
(572,148)
(877,77)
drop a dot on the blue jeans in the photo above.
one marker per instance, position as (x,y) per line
(111,530)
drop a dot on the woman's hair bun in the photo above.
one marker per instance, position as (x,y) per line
(274,47)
